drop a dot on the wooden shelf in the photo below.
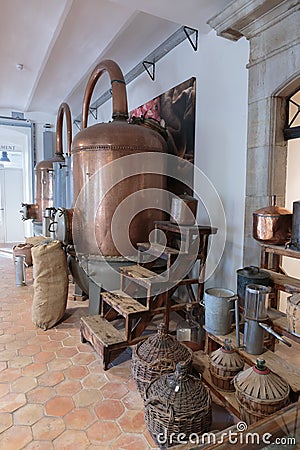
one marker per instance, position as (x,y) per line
(278,365)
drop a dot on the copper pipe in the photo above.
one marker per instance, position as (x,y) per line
(119,97)
(64,109)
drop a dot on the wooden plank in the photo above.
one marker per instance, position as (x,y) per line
(123,303)
(141,275)
(158,249)
(278,365)
(200,362)
(104,331)
(281,327)
(281,250)
(284,282)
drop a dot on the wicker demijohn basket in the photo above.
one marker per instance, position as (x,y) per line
(177,405)
(260,392)
(157,355)
(224,364)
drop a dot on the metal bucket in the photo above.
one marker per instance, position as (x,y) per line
(219,308)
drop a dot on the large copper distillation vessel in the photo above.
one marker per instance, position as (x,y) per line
(101,182)
(44,170)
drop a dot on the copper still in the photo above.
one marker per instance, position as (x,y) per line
(272,224)
(44,171)
(97,148)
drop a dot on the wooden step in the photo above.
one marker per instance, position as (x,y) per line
(157,249)
(108,341)
(123,303)
(141,275)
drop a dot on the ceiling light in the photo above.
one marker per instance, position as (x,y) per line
(19,66)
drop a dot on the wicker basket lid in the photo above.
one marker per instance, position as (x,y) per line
(180,391)
(260,383)
(226,357)
(162,346)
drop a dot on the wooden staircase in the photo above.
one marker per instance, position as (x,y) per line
(125,313)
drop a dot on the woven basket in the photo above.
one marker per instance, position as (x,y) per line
(177,403)
(156,356)
(260,392)
(224,364)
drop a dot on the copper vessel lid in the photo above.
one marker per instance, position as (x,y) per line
(272,210)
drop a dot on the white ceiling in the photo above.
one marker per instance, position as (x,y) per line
(60,41)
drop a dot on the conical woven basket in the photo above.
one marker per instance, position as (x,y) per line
(224,364)
(260,392)
(177,403)
(157,355)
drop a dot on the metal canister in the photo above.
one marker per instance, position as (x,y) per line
(250,275)
(20,270)
(295,239)
(219,308)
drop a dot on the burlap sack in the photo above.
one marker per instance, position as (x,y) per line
(50,284)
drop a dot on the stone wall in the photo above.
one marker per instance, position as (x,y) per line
(272,28)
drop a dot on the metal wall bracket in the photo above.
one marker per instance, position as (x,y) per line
(150,68)
(77,123)
(189,32)
(93,111)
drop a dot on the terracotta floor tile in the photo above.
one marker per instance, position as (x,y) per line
(114,390)
(3,365)
(14,330)
(51,378)
(48,428)
(9,375)
(68,387)
(94,380)
(79,419)
(102,431)
(4,389)
(149,439)
(109,409)
(75,372)
(58,336)
(66,352)
(34,369)
(40,394)
(118,373)
(16,437)
(51,346)
(70,440)
(59,364)
(87,397)
(71,341)
(39,445)
(23,384)
(8,355)
(133,400)
(83,358)
(6,421)
(130,442)
(43,357)
(28,414)
(132,422)
(11,402)
(96,367)
(59,406)
(30,350)
(20,361)
(85,348)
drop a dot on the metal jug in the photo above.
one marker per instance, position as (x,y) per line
(219,308)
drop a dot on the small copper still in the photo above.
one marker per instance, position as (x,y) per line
(272,224)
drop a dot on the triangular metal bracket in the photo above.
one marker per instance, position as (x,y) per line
(189,32)
(93,111)
(77,123)
(150,68)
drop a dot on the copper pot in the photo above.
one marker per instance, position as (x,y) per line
(272,224)
(97,146)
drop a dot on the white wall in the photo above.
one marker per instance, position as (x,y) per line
(221,128)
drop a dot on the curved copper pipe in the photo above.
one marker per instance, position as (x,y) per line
(119,96)
(64,109)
